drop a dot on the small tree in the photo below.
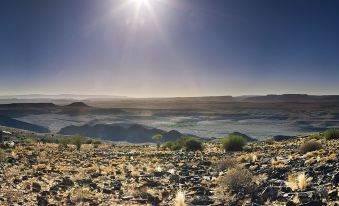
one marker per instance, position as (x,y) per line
(77,140)
(157,138)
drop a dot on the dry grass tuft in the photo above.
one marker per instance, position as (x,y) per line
(236,179)
(226,164)
(277,163)
(298,181)
(180,199)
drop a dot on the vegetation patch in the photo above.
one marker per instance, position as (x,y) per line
(187,143)
(331,134)
(237,179)
(233,143)
(310,146)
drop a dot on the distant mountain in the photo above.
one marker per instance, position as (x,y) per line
(57,96)
(134,133)
(16,110)
(28,105)
(9,122)
(77,104)
(293,98)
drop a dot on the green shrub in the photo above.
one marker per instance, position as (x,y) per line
(29,140)
(168,145)
(237,179)
(233,143)
(63,142)
(331,134)
(309,147)
(192,144)
(189,143)
(270,141)
(96,143)
(78,140)
(89,141)
(157,138)
(176,146)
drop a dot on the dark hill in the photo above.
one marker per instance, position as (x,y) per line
(293,98)
(133,133)
(9,122)
(16,110)
(77,104)
(28,105)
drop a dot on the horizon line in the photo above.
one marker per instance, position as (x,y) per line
(103,96)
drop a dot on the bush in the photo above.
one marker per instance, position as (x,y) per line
(270,141)
(176,146)
(63,142)
(77,140)
(191,144)
(168,145)
(226,164)
(89,141)
(29,140)
(157,138)
(96,143)
(309,147)
(233,143)
(237,179)
(331,134)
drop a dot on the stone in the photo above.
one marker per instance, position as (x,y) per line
(42,201)
(269,193)
(36,187)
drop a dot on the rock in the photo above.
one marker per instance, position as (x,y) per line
(127,197)
(42,201)
(67,182)
(313,203)
(148,198)
(202,201)
(201,191)
(335,178)
(36,187)
(333,194)
(107,191)
(290,203)
(116,185)
(269,193)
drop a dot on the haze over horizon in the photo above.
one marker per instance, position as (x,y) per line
(169,48)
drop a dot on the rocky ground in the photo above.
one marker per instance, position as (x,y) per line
(47,174)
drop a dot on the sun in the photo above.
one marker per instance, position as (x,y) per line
(141,2)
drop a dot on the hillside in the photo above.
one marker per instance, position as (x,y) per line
(134,133)
(266,173)
(9,122)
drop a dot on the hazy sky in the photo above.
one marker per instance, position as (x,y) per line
(169,47)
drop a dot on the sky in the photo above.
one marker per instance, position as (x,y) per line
(162,48)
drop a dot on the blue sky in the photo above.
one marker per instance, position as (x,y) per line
(170,48)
